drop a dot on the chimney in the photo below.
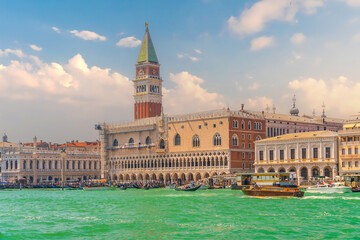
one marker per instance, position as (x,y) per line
(242,107)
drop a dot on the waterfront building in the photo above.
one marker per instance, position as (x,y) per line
(184,147)
(349,157)
(280,124)
(39,164)
(309,154)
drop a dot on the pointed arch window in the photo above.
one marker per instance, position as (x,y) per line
(217,139)
(177,140)
(235,140)
(249,125)
(148,140)
(242,125)
(235,124)
(115,143)
(162,144)
(131,141)
(258,138)
(196,141)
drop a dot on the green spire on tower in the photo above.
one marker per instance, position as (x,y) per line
(147,51)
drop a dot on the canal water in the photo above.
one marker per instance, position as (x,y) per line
(168,214)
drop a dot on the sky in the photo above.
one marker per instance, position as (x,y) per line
(67,65)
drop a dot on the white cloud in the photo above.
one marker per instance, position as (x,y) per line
(259,103)
(255,18)
(88,35)
(261,42)
(254,86)
(198,51)
(128,42)
(194,59)
(72,83)
(297,56)
(16,52)
(189,96)
(298,38)
(35,48)
(352,3)
(340,95)
(56,29)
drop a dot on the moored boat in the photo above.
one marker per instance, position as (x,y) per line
(99,188)
(204,187)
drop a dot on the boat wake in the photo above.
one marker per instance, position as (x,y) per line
(318,197)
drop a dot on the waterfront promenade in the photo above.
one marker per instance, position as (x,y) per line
(168,214)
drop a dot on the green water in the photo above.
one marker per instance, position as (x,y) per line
(168,214)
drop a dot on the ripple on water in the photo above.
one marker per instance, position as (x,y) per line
(166,214)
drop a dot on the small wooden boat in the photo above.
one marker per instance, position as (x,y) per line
(122,187)
(355,189)
(269,191)
(99,188)
(187,188)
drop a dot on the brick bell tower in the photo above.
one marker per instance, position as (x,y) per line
(148,83)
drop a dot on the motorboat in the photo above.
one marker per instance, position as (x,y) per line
(99,188)
(272,185)
(329,188)
(188,188)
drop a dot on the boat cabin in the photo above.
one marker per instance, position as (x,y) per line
(352,180)
(246,180)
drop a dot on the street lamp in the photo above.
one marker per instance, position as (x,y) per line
(63,157)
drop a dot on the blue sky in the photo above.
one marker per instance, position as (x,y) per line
(66,65)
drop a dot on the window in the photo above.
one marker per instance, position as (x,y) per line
(249,125)
(214,125)
(261,155)
(243,165)
(343,164)
(303,153)
(24,164)
(250,156)
(249,136)
(349,164)
(177,140)
(243,155)
(199,126)
(242,124)
(205,124)
(221,123)
(196,141)
(162,144)
(235,140)
(243,145)
(292,154)
(115,143)
(217,139)
(356,164)
(356,151)
(343,151)
(258,138)
(235,124)
(349,151)
(315,153)
(243,136)
(281,154)
(327,152)
(148,140)
(271,155)
(249,145)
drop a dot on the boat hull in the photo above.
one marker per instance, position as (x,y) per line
(187,189)
(272,193)
(99,188)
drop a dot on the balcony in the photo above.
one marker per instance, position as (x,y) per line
(350,156)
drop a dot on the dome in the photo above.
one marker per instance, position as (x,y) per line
(294,111)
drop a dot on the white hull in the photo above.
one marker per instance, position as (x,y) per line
(328,189)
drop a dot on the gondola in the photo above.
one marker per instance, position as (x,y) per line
(355,189)
(188,188)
